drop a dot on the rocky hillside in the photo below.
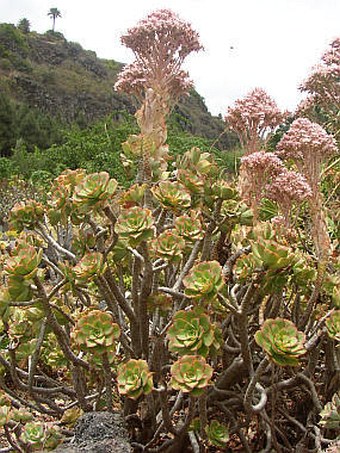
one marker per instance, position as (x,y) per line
(62,80)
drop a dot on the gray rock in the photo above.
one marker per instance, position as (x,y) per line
(98,432)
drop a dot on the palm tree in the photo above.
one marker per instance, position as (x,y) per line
(54,13)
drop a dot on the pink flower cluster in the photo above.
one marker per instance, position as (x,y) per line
(261,163)
(258,169)
(160,43)
(162,35)
(253,117)
(323,85)
(286,188)
(305,141)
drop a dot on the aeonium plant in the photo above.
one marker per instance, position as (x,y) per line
(124,290)
(191,374)
(204,281)
(135,225)
(217,433)
(192,332)
(282,341)
(333,325)
(95,331)
(134,379)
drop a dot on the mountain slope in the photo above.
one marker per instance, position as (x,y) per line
(62,80)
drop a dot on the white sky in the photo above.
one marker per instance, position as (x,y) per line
(275,42)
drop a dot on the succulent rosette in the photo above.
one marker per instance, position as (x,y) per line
(133,196)
(273,255)
(90,266)
(94,191)
(333,325)
(172,196)
(21,415)
(33,434)
(330,414)
(26,214)
(195,159)
(135,225)
(5,415)
(21,268)
(191,180)
(192,332)
(169,246)
(20,326)
(134,378)
(223,190)
(191,374)
(282,341)
(235,212)
(24,261)
(61,195)
(95,332)
(189,226)
(204,281)
(217,433)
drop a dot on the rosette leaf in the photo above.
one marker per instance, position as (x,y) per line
(134,378)
(333,325)
(204,281)
(169,246)
(24,262)
(133,196)
(5,415)
(95,332)
(61,198)
(5,408)
(172,196)
(273,255)
(26,214)
(203,163)
(94,191)
(191,180)
(223,190)
(90,266)
(21,415)
(33,434)
(53,437)
(135,225)
(282,341)
(192,332)
(189,226)
(191,374)
(161,301)
(330,414)
(217,433)
(19,289)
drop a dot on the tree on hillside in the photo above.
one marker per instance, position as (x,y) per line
(24,25)
(54,13)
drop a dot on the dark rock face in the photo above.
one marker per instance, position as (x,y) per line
(98,432)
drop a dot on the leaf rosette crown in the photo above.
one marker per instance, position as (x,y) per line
(282,341)
(134,378)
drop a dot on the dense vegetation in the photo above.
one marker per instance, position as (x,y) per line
(210,303)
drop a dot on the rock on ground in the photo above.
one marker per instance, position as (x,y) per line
(98,432)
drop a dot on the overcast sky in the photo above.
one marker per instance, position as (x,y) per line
(266,43)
